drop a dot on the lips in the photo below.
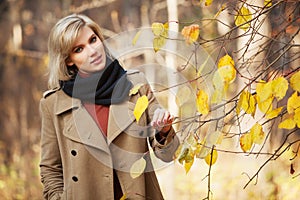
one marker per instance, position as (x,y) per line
(97,60)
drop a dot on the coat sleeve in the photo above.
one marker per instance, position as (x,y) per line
(50,165)
(165,149)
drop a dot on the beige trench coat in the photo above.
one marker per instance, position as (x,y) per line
(77,161)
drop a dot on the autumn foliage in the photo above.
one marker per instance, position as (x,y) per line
(268,97)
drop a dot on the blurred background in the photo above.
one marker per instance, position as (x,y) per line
(25,25)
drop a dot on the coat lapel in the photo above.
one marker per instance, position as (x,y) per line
(80,127)
(120,117)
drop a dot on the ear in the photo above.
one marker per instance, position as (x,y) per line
(69,62)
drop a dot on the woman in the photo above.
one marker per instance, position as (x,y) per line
(90,138)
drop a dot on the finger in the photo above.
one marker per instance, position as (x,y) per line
(165,117)
(161,117)
(170,119)
(155,118)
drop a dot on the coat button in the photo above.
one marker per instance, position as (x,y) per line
(74,178)
(73,152)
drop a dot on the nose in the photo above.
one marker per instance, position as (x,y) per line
(92,50)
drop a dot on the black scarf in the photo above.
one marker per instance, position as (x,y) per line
(106,87)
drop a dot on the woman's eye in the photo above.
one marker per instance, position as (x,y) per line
(78,49)
(93,39)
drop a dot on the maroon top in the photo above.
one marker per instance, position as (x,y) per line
(100,115)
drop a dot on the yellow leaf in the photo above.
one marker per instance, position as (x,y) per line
(264,90)
(191,33)
(226,60)
(184,152)
(217,96)
(242,18)
(268,3)
(124,197)
(295,81)
(297,117)
(138,167)
(158,43)
(165,32)
(226,68)
(228,73)
(188,162)
(157,28)
(220,87)
(288,123)
(273,113)
(186,157)
(265,106)
(160,32)
(257,134)
(247,102)
(135,89)
(140,107)
(198,148)
(279,87)
(293,103)
(246,142)
(211,158)
(208,2)
(218,81)
(201,150)
(136,37)
(202,102)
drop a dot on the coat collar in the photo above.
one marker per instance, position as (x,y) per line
(65,103)
(80,127)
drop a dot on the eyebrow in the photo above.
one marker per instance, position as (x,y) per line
(80,45)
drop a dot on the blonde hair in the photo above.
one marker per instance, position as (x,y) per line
(60,43)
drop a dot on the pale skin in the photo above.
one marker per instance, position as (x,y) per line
(88,55)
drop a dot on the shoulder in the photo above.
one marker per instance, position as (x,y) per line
(139,81)
(132,71)
(136,76)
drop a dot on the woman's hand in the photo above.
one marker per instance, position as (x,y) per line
(162,121)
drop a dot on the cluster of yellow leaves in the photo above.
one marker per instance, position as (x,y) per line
(191,33)
(242,18)
(192,149)
(266,92)
(160,32)
(264,97)
(224,76)
(247,102)
(254,136)
(293,116)
(186,158)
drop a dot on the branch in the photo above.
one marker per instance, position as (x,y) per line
(274,156)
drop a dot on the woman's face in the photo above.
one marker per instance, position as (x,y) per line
(88,52)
